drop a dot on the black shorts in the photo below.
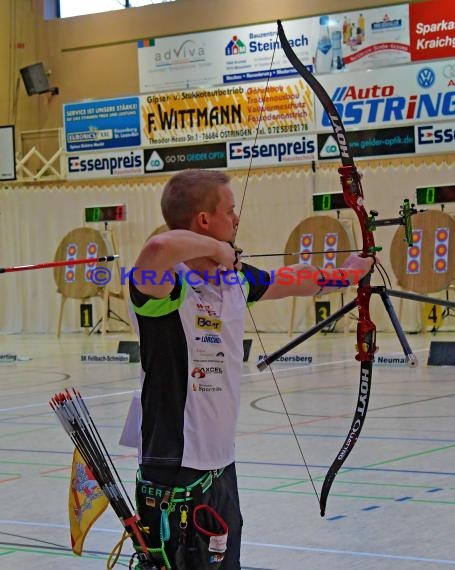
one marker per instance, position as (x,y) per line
(222,496)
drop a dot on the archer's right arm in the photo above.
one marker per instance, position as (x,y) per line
(163,251)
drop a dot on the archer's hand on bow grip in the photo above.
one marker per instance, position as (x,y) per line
(360,265)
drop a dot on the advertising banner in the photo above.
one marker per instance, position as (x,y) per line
(363,39)
(220,114)
(272,151)
(248,51)
(168,159)
(221,57)
(432,29)
(348,40)
(105,164)
(400,95)
(103,124)
(369,144)
(435,138)
(178,62)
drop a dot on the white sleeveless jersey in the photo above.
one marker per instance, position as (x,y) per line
(192,353)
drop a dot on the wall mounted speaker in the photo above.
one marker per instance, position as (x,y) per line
(36,80)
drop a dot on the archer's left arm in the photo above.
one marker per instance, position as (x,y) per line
(307,280)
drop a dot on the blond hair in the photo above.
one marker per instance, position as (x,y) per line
(188,193)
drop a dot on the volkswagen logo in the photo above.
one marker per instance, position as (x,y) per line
(426,77)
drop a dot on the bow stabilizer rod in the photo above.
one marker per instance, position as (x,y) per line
(403,219)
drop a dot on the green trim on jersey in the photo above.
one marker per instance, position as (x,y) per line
(247,285)
(161,307)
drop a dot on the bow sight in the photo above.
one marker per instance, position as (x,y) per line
(404,219)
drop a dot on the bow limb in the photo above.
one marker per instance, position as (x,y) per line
(366,330)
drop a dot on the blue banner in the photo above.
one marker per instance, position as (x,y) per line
(98,125)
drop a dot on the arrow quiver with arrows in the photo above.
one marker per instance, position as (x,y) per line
(76,420)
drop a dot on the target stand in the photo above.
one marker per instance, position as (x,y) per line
(443,263)
(112,289)
(428,265)
(83,282)
(318,239)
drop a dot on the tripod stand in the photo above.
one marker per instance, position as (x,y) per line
(110,314)
(447,312)
(112,289)
(385,295)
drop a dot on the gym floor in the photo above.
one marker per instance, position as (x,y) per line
(392,505)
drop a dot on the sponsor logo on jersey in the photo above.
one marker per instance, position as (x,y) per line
(208,323)
(202,372)
(208,338)
(206,309)
(206,388)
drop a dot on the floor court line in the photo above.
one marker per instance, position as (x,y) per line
(52,525)
(245,375)
(46,404)
(356,553)
(288,547)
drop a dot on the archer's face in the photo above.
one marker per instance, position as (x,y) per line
(224,221)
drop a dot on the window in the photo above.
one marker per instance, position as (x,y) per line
(69,8)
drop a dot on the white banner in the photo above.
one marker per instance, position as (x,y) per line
(344,41)
(272,152)
(105,164)
(247,51)
(406,94)
(363,39)
(222,57)
(178,62)
(435,138)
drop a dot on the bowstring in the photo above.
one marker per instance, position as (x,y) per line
(384,275)
(261,343)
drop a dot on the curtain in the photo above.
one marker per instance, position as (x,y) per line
(35,218)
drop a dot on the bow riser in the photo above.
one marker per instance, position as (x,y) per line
(366,329)
(353,196)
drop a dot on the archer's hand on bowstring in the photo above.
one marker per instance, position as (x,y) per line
(228,257)
(237,252)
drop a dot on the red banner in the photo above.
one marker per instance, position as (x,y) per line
(432,29)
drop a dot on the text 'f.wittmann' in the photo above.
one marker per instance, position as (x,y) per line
(168,119)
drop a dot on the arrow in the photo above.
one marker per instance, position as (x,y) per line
(103,259)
